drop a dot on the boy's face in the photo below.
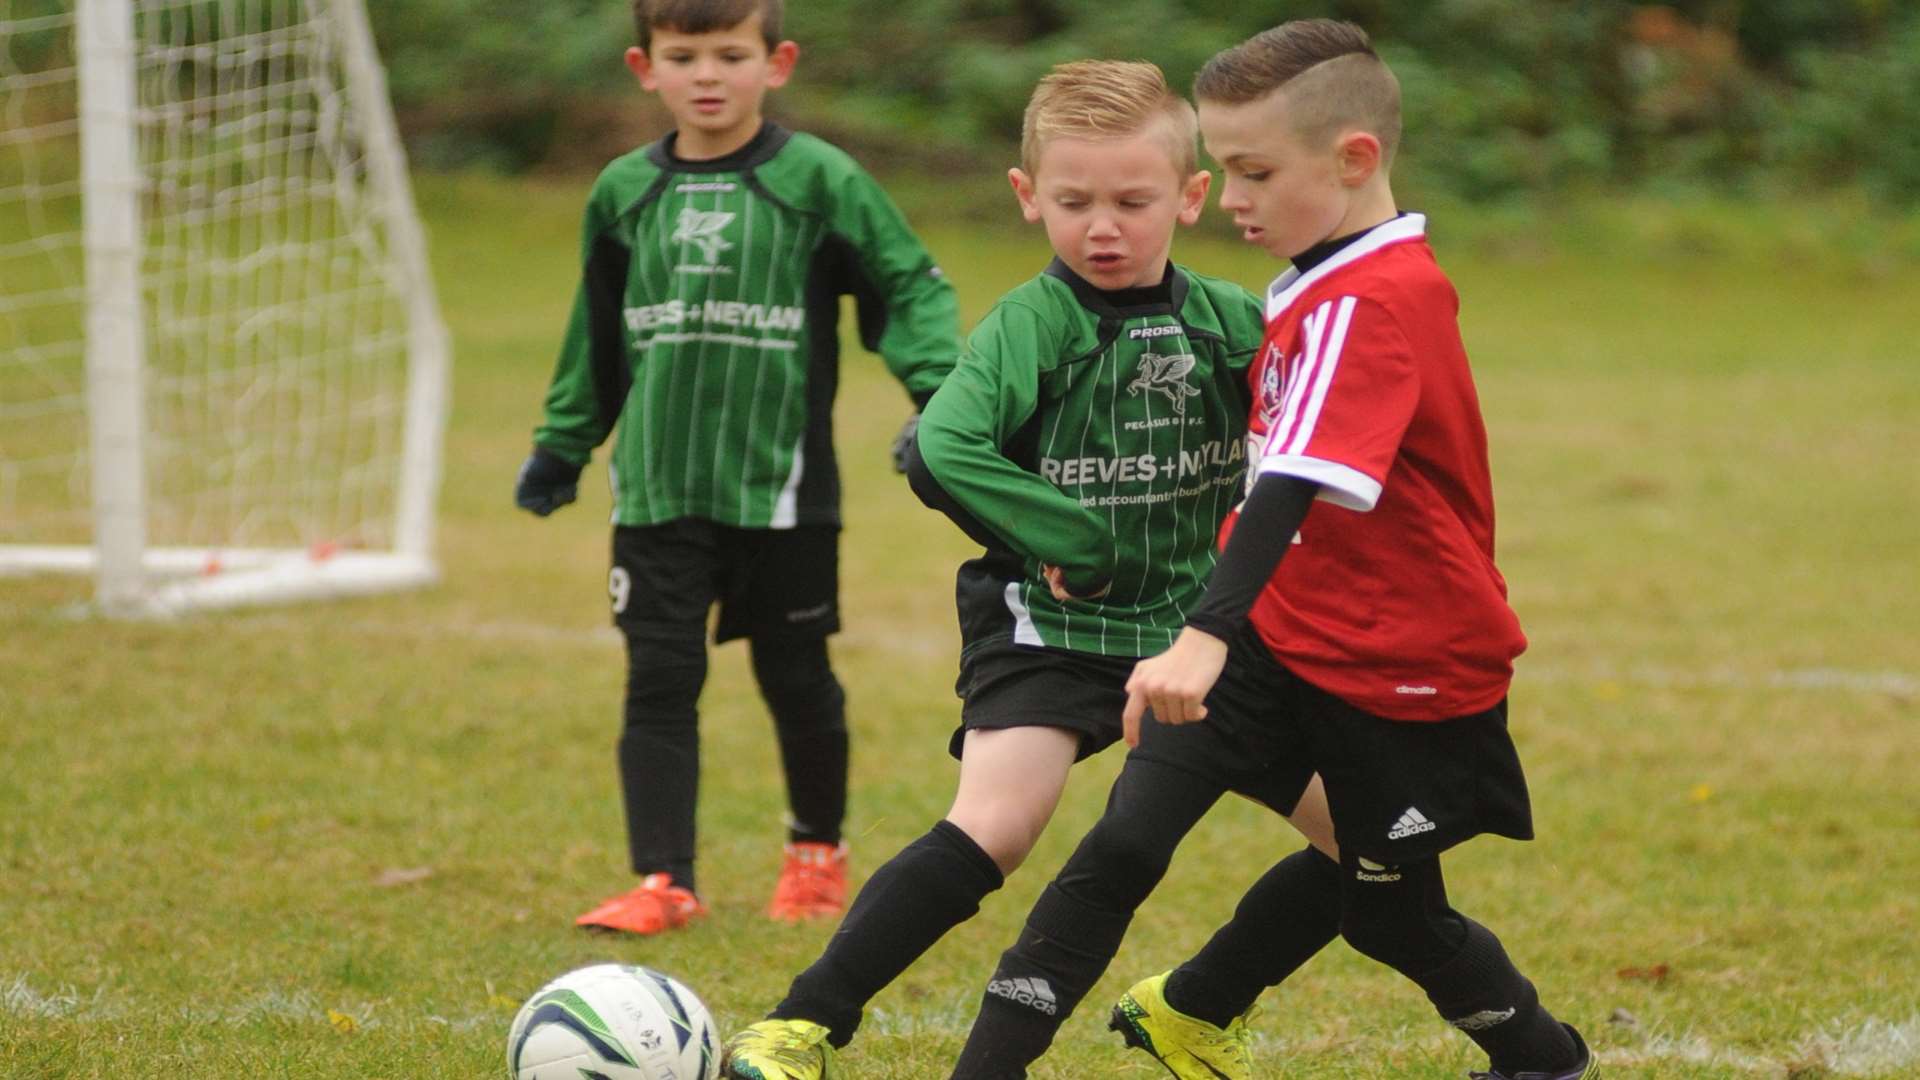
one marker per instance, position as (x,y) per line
(713,83)
(1109,206)
(1285,194)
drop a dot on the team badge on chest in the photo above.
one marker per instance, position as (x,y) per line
(1166,375)
(701,228)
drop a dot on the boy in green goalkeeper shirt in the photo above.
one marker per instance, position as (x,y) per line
(704,339)
(1091,439)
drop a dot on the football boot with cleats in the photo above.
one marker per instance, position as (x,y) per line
(780,1050)
(656,906)
(1190,1048)
(812,885)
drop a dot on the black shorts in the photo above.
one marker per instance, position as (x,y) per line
(769,583)
(1398,791)
(1004,685)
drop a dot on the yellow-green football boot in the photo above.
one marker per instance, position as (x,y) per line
(780,1050)
(1190,1048)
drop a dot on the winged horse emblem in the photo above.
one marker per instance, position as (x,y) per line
(701,228)
(1166,375)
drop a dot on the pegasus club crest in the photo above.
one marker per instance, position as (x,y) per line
(701,228)
(1166,375)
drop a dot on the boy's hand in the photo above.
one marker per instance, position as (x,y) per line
(547,482)
(1057,581)
(1174,684)
(903,443)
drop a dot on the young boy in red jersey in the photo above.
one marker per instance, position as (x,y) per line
(1378,653)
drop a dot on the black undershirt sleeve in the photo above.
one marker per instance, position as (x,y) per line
(1268,519)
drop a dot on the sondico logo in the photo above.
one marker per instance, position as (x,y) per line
(701,228)
(1373,871)
(1165,375)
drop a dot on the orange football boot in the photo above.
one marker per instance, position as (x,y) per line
(813,883)
(657,905)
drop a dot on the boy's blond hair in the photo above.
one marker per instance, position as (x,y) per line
(705,17)
(1108,99)
(1333,80)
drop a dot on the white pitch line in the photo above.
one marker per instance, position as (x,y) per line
(1874,1048)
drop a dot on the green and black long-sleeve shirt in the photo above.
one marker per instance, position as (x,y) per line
(1102,432)
(705,335)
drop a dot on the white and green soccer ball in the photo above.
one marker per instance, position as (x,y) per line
(613,1022)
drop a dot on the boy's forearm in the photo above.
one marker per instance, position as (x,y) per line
(1031,517)
(591,377)
(919,331)
(922,339)
(1268,521)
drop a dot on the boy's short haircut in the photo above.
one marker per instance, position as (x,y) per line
(705,17)
(1333,79)
(1108,99)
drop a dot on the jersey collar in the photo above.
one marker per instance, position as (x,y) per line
(765,143)
(1170,295)
(1288,286)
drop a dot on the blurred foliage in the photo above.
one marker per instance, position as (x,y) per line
(1503,96)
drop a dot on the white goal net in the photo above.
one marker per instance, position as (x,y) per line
(222,367)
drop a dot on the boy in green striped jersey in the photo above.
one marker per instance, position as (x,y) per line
(1091,438)
(704,339)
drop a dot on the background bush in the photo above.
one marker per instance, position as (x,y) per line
(1505,97)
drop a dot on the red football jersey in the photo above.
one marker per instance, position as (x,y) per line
(1389,598)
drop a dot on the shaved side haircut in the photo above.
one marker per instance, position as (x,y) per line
(1332,78)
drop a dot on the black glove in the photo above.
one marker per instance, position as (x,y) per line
(547,482)
(903,443)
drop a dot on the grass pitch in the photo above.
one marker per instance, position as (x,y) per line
(344,841)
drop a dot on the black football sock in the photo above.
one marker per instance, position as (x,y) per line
(933,885)
(1076,926)
(1480,992)
(1290,914)
(1061,953)
(1399,915)
(810,718)
(660,754)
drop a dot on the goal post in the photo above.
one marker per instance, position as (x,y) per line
(223,372)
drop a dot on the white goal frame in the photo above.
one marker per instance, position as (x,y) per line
(133,578)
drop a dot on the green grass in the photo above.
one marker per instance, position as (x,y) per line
(1704,445)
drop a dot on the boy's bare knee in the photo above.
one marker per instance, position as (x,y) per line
(1005,832)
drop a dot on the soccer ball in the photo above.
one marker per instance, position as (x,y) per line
(613,1022)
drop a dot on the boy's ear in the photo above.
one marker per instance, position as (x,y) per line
(641,65)
(1193,196)
(1024,191)
(780,64)
(1358,157)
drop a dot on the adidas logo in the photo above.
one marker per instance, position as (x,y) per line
(1411,823)
(1483,1019)
(1031,992)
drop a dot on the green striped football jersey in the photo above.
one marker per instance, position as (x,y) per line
(1103,433)
(705,335)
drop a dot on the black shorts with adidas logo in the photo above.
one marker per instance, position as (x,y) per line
(1398,791)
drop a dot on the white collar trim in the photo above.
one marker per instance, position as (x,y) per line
(1288,286)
